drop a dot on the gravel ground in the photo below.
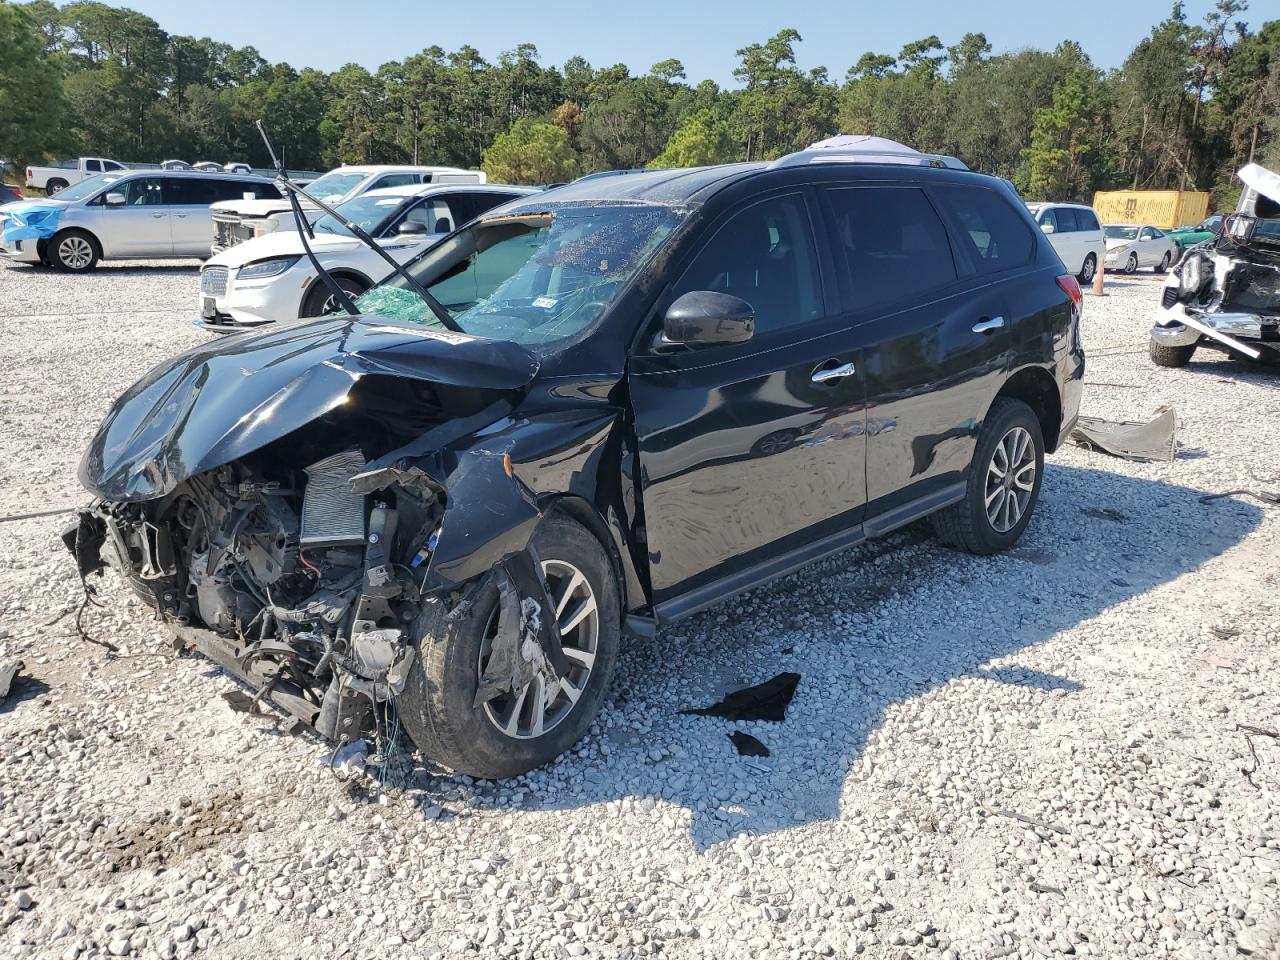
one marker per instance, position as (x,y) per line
(1027,755)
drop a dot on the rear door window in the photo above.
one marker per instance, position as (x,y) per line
(1088,220)
(993,235)
(1067,220)
(765,255)
(396,180)
(189,192)
(893,243)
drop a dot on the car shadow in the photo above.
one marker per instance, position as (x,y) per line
(873,627)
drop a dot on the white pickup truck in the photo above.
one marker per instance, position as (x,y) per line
(58,176)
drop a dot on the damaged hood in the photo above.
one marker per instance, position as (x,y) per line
(225,399)
(1259,178)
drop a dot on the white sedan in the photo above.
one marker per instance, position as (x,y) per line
(269,278)
(1131,246)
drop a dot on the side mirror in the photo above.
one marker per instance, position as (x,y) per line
(1047,227)
(706,318)
(409,227)
(114,199)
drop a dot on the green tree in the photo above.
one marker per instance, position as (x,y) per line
(1060,147)
(33,114)
(530,152)
(701,140)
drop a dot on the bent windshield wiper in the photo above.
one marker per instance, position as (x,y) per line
(294,191)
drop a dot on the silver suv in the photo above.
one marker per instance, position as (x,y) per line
(153,214)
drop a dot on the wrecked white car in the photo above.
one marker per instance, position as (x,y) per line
(1225,292)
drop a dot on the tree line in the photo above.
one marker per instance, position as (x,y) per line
(1191,103)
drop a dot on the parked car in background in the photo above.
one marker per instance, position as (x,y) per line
(152,214)
(1225,294)
(1207,229)
(55,177)
(462,504)
(8,193)
(236,168)
(1131,246)
(270,277)
(238,221)
(207,166)
(175,165)
(1075,234)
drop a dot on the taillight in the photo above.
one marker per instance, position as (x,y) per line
(1071,288)
(28,173)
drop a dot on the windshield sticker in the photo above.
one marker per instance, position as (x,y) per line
(546,303)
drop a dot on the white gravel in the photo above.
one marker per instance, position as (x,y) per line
(1025,755)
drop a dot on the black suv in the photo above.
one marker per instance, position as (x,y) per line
(623,400)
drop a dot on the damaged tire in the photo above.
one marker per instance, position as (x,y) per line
(1163,355)
(508,736)
(1003,484)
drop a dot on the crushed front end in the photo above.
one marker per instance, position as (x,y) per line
(1225,293)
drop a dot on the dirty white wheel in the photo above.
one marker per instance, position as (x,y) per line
(535,710)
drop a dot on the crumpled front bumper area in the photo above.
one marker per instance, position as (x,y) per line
(23,226)
(1249,334)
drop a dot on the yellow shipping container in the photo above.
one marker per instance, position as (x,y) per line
(1165,209)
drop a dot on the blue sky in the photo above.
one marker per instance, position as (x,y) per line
(703,34)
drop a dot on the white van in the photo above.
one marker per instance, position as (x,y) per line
(238,220)
(1075,234)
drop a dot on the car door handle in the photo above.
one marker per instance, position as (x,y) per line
(158,216)
(826,375)
(986,326)
(181,216)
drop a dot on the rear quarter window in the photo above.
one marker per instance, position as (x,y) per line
(993,235)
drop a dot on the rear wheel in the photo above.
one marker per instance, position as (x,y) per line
(1163,355)
(320,300)
(1164,262)
(520,730)
(55,185)
(74,251)
(1003,484)
(1085,276)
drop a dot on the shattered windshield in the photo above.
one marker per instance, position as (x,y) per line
(1115,232)
(532,278)
(87,188)
(334,186)
(366,212)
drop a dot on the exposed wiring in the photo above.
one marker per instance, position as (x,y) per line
(309,565)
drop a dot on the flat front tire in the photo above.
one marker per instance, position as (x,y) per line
(1003,483)
(516,732)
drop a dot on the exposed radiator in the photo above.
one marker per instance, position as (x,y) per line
(332,515)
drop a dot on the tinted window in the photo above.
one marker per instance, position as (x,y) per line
(189,191)
(1088,220)
(1067,222)
(395,180)
(1000,237)
(893,242)
(93,166)
(481,202)
(765,256)
(142,191)
(260,190)
(111,165)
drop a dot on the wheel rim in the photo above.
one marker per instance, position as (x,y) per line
(1164,263)
(1011,479)
(75,252)
(1089,267)
(56,188)
(1131,264)
(516,715)
(776,442)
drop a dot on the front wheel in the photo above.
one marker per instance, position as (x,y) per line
(523,729)
(1003,483)
(1164,355)
(1085,276)
(74,251)
(320,300)
(1131,265)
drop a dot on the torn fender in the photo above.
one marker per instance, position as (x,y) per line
(226,399)
(30,221)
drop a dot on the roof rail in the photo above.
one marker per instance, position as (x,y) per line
(840,155)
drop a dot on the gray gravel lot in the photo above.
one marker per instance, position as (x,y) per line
(1025,755)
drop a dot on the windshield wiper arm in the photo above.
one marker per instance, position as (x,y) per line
(436,307)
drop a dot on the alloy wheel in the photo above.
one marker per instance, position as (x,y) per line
(75,252)
(1131,265)
(1011,479)
(535,710)
(1090,265)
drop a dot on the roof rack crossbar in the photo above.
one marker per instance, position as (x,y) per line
(838,155)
